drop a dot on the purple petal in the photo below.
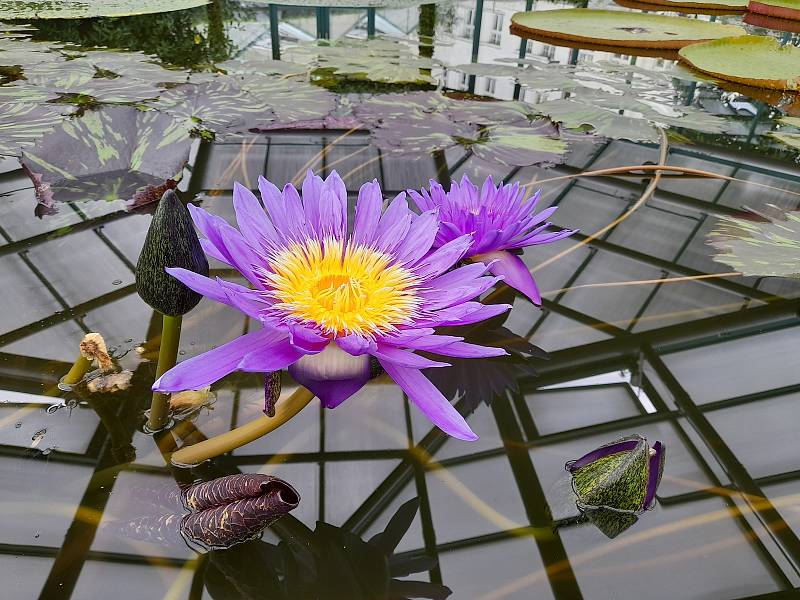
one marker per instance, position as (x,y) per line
(423,200)
(285,209)
(467,350)
(459,276)
(333,374)
(429,342)
(655,471)
(273,355)
(368,213)
(205,369)
(244,299)
(355,344)
(396,211)
(464,314)
(307,340)
(212,252)
(516,273)
(430,401)
(404,358)
(443,298)
(441,259)
(602,451)
(228,241)
(419,239)
(210,288)
(253,222)
(332,392)
(312,196)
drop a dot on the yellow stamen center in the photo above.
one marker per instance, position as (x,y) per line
(343,289)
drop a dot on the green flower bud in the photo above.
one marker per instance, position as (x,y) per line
(171,242)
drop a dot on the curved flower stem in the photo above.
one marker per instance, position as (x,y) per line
(659,169)
(220,444)
(167,356)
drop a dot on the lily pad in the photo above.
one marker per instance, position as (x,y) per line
(117,91)
(22,124)
(608,123)
(790,139)
(752,60)
(219,106)
(690,6)
(65,9)
(114,153)
(499,132)
(21,91)
(782,9)
(379,60)
(600,111)
(290,101)
(766,249)
(619,28)
(56,76)
(516,146)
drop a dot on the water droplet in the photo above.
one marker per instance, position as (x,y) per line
(37,437)
(36,536)
(129,340)
(182,352)
(18,425)
(192,343)
(116,282)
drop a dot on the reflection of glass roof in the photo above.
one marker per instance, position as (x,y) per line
(686,362)
(646,333)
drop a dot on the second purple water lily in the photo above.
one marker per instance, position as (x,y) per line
(500,221)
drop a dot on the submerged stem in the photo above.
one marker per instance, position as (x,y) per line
(230,440)
(167,357)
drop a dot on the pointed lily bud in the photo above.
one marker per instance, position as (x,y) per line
(171,242)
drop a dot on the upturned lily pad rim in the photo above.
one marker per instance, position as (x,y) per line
(705,7)
(775,23)
(764,50)
(536,23)
(92,8)
(782,9)
(665,53)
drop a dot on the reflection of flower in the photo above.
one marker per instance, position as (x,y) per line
(325,564)
(499,219)
(328,300)
(496,375)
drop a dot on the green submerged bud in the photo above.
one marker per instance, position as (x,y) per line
(171,242)
(622,475)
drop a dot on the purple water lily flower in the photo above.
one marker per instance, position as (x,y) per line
(329,296)
(500,221)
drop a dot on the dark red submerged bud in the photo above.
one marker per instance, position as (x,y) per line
(233,509)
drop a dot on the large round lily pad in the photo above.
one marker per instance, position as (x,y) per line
(703,7)
(753,60)
(619,28)
(782,9)
(68,9)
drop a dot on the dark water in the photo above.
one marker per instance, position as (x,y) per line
(646,333)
